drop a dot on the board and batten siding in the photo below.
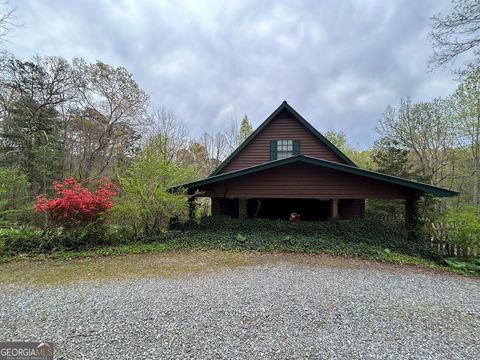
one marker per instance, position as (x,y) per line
(304,181)
(283,127)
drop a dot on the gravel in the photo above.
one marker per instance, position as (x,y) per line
(270,311)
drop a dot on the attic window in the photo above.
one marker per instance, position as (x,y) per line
(284,149)
(281,149)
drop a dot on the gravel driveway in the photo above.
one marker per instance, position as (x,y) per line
(275,310)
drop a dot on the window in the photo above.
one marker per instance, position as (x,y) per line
(284,149)
(281,149)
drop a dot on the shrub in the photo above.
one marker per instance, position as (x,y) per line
(31,242)
(465,229)
(77,204)
(145,204)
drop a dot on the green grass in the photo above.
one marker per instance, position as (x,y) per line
(166,264)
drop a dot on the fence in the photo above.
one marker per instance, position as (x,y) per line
(438,235)
(440,240)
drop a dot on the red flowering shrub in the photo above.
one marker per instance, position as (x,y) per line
(77,203)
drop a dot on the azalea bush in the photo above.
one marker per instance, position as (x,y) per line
(77,204)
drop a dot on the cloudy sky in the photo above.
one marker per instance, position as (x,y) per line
(338,63)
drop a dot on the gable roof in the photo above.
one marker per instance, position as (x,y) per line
(413,185)
(297,116)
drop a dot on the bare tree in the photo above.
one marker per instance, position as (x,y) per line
(232,136)
(167,134)
(456,33)
(7,21)
(425,129)
(216,147)
(115,105)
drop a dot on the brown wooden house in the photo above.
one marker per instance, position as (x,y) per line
(287,166)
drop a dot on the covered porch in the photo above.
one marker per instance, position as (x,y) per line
(314,188)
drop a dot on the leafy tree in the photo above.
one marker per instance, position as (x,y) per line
(339,139)
(15,198)
(145,205)
(425,130)
(360,157)
(466,101)
(245,128)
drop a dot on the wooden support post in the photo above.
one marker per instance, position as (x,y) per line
(333,209)
(411,216)
(242,208)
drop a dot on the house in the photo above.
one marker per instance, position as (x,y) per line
(287,166)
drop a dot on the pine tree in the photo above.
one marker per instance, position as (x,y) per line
(390,159)
(30,141)
(245,128)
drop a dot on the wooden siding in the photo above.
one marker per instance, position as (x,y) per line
(351,209)
(300,180)
(283,127)
(227,207)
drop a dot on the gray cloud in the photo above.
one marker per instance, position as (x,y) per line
(339,65)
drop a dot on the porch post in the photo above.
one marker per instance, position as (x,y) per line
(242,208)
(333,209)
(411,216)
(191,208)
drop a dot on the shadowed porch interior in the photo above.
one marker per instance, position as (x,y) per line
(281,208)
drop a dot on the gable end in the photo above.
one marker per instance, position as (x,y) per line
(283,112)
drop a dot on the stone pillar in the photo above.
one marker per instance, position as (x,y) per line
(333,209)
(242,208)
